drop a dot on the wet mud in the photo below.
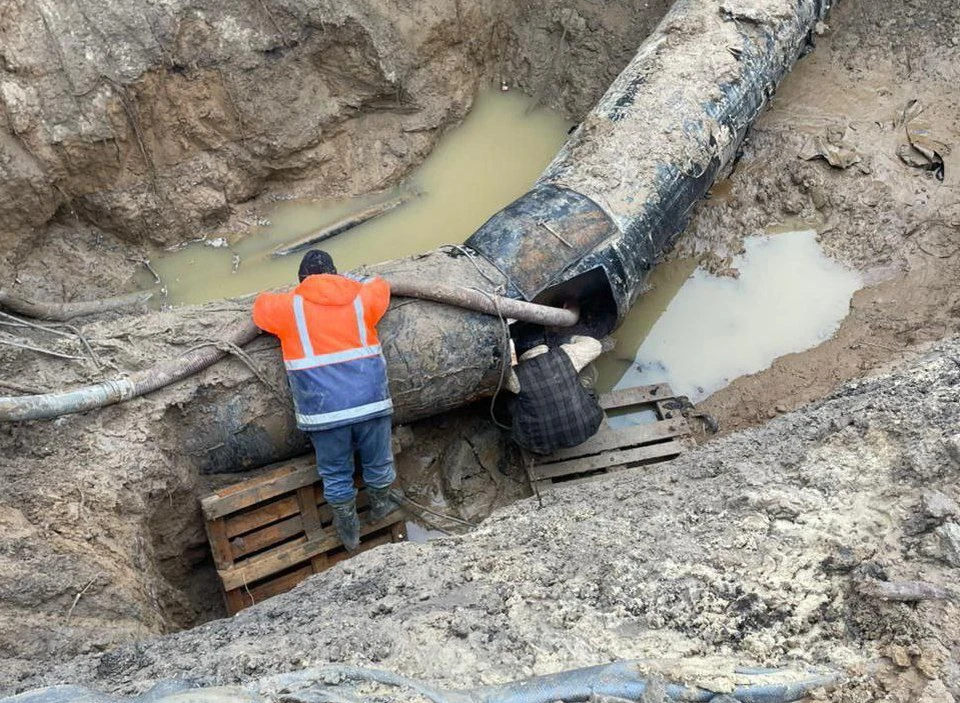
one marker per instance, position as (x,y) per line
(753,547)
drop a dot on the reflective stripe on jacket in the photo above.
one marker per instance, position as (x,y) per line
(328,335)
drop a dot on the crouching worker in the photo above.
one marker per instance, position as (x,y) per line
(552,409)
(338,379)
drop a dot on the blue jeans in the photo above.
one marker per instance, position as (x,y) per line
(335,450)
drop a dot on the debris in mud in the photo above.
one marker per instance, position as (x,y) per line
(922,150)
(836,151)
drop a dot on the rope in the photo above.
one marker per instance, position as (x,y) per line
(504,359)
(21,322)
(437,513)
(41,350)
(499,287)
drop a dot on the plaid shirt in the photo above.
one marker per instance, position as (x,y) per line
(553,410)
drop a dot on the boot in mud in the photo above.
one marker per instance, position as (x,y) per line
(383,501)
(347,523)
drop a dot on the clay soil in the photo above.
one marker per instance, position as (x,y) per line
(825,476)
(899,226)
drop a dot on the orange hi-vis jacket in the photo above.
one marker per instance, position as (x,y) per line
(328,335)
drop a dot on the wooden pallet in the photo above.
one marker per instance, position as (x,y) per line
(269,533)
(614,450)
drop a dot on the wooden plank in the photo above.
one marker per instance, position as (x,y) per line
(375,541)
(264,472)
(257,490)
(279,584)
(606,460)
(219,544)
(253,519)
(622,439)
(236,600)
(310,516)
(635,396)
(261,539)
(596,477)
(285,556)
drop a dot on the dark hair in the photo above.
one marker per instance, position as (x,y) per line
(316,261)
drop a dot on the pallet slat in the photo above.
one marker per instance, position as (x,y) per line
(271,512)
(627,437)
(635,396)
(287,555)
(261,539)
(278,482)
(220,546)
(617,471)
(607,460)
(280,584)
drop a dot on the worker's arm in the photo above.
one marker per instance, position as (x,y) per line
(582,350)
(376,294)
(267,313)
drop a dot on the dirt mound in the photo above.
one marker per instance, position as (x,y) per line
(755,547)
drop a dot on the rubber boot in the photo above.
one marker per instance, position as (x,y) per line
(383,501)
(347,523)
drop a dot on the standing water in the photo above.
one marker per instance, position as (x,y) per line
(701,333)
(493,157)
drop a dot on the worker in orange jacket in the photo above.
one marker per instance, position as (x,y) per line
(338,378)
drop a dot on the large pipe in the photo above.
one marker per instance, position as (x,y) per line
(623,186)
(592,227)
(99,395)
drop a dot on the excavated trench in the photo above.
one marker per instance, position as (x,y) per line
(196,124)
(189,129)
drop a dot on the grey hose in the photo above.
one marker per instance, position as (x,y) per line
(356,673)
(623,680)
(49,405)
(473,299)
(67,311)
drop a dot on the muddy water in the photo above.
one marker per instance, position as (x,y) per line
(493,157)
(698,332)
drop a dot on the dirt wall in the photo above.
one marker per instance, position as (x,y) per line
(154,122)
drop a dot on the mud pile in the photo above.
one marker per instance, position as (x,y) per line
(756,547)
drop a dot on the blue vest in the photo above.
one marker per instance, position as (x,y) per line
(339,388)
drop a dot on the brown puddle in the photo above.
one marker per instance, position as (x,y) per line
(493,157)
